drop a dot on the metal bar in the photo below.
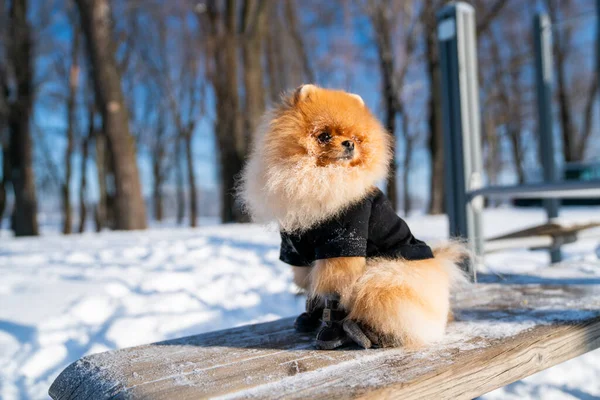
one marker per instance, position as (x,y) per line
(446,31)
(474,171)
(460,114)
(556,190)
(542,34)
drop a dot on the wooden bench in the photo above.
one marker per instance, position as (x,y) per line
(546,236)
(502,333)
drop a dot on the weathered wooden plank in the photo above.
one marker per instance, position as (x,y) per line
(552,229)
(502,334)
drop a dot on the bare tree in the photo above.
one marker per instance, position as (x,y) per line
(380,19)
(507,90)
(253,33)
(85,149)
(154,137)
(4,181)
(177,71)
(158,147)
(24,217)
(180,195)
(104,214)
(575,136)
(436,188)
(95,17)
(73,82)
(287,58)
(491,116)
(510,101)
(274,59)
(221,32)
(296,36)
(393,81)
(4,108)
(4,115)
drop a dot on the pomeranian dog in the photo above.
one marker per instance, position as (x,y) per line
(315,162)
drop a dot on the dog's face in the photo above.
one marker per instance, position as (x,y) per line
(332,127)
(316,152)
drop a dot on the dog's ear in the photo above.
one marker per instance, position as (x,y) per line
(302,93)
(357,97)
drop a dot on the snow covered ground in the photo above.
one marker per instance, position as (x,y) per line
(65,297)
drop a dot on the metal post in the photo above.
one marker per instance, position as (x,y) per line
(460,116)
(542,34)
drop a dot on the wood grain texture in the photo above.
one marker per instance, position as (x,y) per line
(553,229)
(502,333)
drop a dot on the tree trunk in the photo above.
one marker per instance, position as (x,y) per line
(157,155)
(514,136)
(232,210)
(295,33)
(83,184)
(591,100)
(275,84)
(407,159)
(85,150)
(566,120)
(492,158)
(101,208)
(24,218)
(4,150)
(230,166)
(391,182)
(97,26)
(191,180)
(230,136)
(588,117)
(561,43)
(73,84)
(381,25)
(4,181)
(408,148)
(436,150)
(254,99)
(179,179)
(157,187)
(65,193)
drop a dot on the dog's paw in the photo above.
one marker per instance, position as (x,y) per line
(366,337)
(355,332)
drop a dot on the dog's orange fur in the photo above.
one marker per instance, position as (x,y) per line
(408,300)
(337,276)
(301,277)
(299,181)
(295,179)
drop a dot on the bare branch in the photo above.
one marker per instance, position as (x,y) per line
(290,16)
(492,12)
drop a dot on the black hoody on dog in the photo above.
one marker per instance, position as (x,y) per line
(369,228)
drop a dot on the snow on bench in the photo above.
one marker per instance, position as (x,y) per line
(502,333)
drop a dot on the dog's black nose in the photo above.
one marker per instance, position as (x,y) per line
(348,144)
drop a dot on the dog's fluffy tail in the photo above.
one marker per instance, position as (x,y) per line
(409,301)
(454,254)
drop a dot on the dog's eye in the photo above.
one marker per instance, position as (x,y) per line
(324,137)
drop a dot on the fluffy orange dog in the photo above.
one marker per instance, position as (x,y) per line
(313,169)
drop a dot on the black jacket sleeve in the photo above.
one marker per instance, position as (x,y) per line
(289,251)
